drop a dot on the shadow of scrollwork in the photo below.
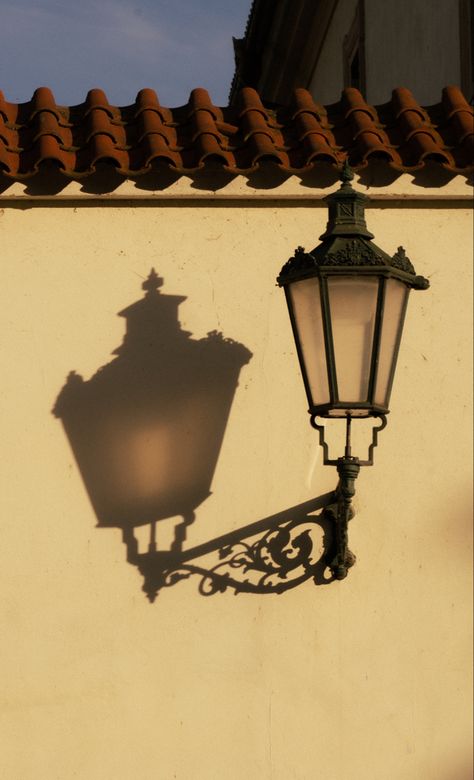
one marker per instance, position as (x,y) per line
(271,555)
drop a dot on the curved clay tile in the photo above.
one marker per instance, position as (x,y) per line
(9,111)
(318,149)
(147,100)
(461,122)
(403,101)
(43,100)
(99,123)
(370,139)
(199,100)
(307,124)
(96,98)
(249,101)
(261,147)
(352,101)
(206,140)
(204,124)
(8,136)
(367,134)
(316,141)
(46,149)
(9,162)
(454,103)
(208,146)
(156,148)
(253,122)
(150,123)
(422,147)
(420,140)
(100,148)
(303,103)
(46,123)
(105,149)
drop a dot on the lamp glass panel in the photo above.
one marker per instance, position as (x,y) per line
(353,306)
(396,294)
(306,303)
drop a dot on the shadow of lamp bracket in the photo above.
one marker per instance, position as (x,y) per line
(147,428)
(269,556)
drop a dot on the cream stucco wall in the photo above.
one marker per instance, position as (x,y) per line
(366,679)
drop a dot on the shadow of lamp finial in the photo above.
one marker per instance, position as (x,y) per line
(153,282)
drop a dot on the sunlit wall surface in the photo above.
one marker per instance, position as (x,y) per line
(367,679)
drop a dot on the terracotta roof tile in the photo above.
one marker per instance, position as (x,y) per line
(458,124)
(43,100)
(238,138)
(147,100)
(313,137)
(8,111)
(8,136)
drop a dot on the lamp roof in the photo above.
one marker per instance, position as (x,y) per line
(347,243)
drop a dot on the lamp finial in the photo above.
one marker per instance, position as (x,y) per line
(347,174)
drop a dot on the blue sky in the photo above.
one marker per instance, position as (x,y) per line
(120,46)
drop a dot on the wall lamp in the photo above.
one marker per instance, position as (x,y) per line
(347,300)
(146,428)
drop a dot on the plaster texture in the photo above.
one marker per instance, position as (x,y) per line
(365,679)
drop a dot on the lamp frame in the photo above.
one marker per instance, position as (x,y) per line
(346,250)
(323,274)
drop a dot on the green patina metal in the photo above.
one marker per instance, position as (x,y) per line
(346,249)
(346,245)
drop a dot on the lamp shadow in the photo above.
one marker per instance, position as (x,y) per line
(146,431)
(147,428)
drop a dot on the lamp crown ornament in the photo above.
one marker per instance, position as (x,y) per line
(347,242)
(347,174)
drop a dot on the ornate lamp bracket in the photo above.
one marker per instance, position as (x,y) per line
(325,447)
(341,512)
